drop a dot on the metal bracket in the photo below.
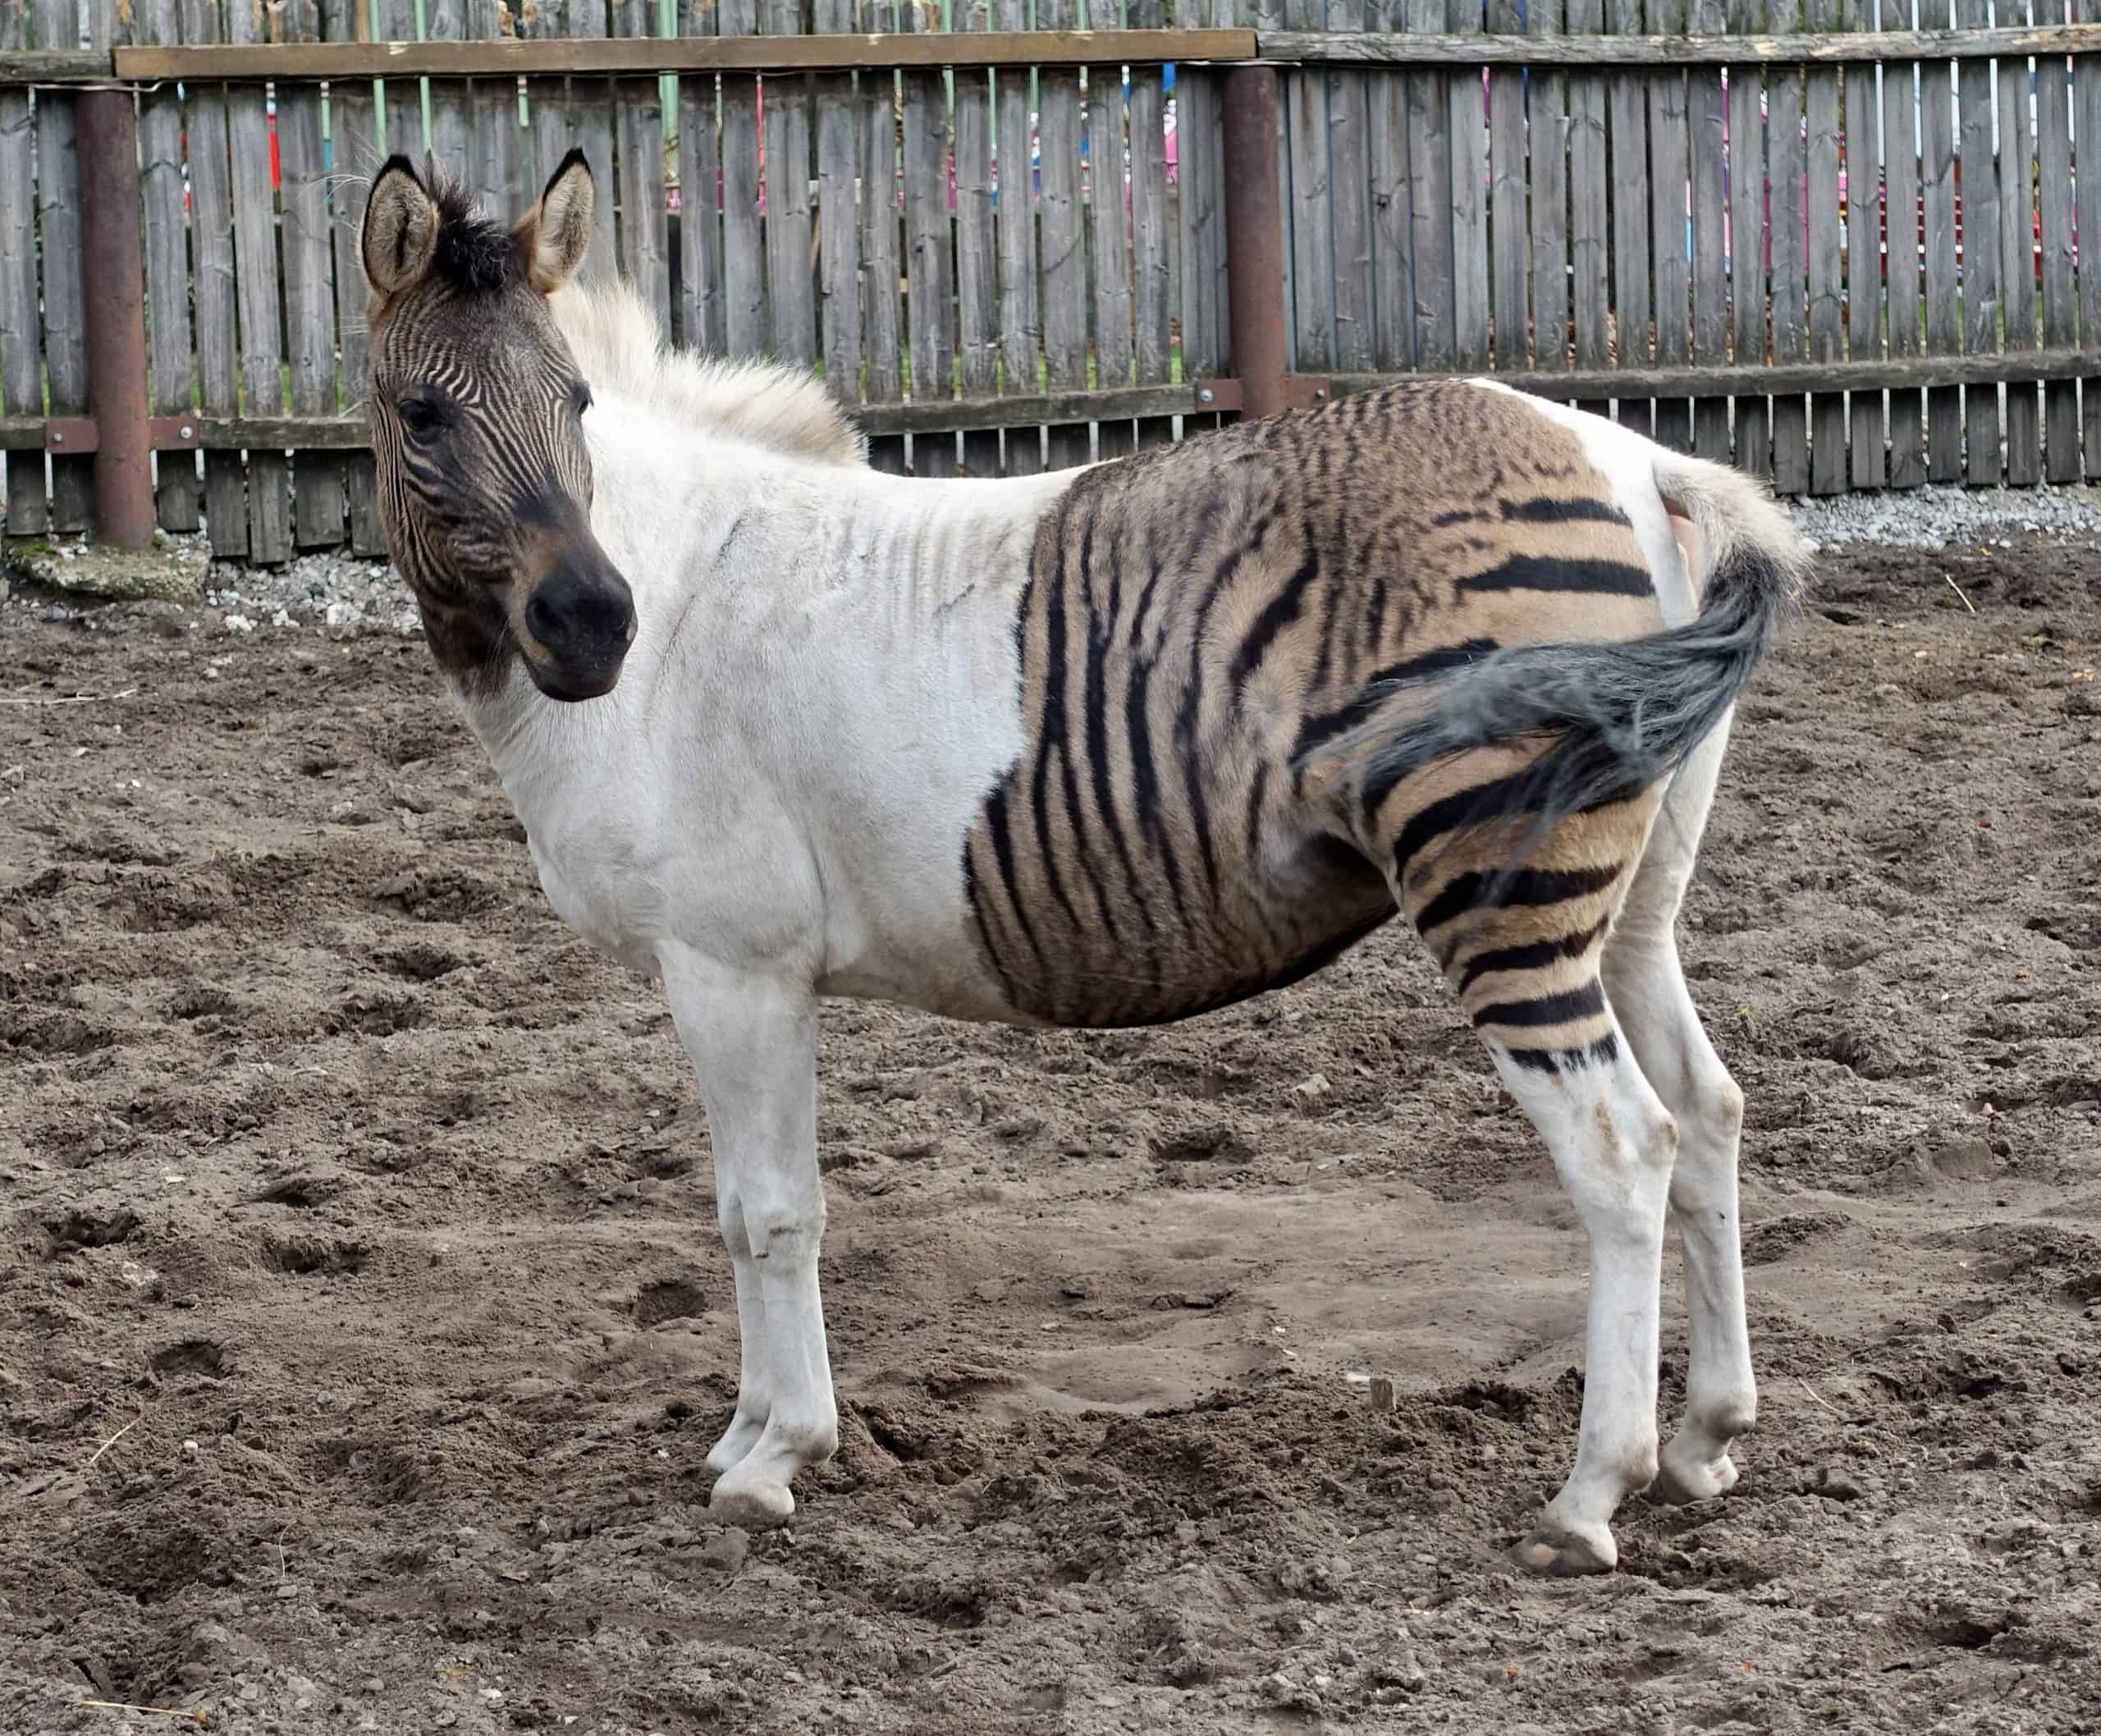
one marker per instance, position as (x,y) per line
(73,434)
(174,434)
(1301,391)
(83,434)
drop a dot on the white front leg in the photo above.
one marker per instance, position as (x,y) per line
(752,1038)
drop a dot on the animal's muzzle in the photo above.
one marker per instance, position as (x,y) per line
(581,617)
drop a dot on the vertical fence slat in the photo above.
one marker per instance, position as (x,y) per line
(1464,91)
(638,166)
(883,340)
(1393,271)
(839,239)
(1670,171)
(64,295)
(1021,326)
(1063,237)
(498,150)
(1864,276)
(743,258)
(1982,291)
(1944,304)
(1748,244)
(354,155)
(2017,188)
(2060,309)
(589,110)
(929,262)
(1430,201)
(1349,97)
(178,498)
(1109,237)
(21,325)
(791,288)
(551,127)
(451,124)
(1827,319)
(257,291)
(1509,228)
(2086,121)
(1590,242)
(976,260)
(319,507)
(1705,101)
(1152,267)
(206,124)
(700,197)
(1627,107)
(1901,118)
(1786,237)
(1311,241)
(1547,144)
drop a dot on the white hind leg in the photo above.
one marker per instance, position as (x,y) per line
(1649,995)
(1612,1142)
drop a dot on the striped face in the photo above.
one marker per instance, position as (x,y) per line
(476,411)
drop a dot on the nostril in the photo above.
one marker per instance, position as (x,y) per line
(541,621)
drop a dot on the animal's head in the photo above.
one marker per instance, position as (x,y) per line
(477,413)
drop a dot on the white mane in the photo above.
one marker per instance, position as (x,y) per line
(613,336)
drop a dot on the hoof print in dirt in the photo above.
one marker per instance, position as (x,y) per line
(192,1355)
(303,1192)
(89,1226)
(667,1299)
(329,1256)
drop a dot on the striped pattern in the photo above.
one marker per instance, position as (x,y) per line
(1200,622)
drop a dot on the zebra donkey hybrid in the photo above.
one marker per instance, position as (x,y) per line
(1108,747)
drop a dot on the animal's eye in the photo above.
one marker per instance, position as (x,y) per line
(579,397)
(420,418)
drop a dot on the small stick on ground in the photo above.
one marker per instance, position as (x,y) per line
(1825,1402)
(1957,589)
(115,1438)
(74,698)
(193,1715)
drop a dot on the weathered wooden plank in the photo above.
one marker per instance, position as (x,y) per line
(791,285)
(1152,237)
(1864,312)
(1310,231)
(976,250)
(1430,201)
(1670,173)
(743,253)
(1508,219)
(1386,171)
(205,123)
(839,236)
(1900,117)
(1626,107)
(929,256)
(1548,149)
(1352,334)
(1706,116)
(493,167)
(257,290)
(21,325)
(320,508)
(639,167)
(736,50)
(1796,377)
(451,115)
(352,122)
(1983,290)
(700,310)
(65,294)
(1943,307)
(1831,48)
(2086,95)
(178,494)
(1589,238)
(1828,470)
(592,109)
(2017,169)
(1747,293)
(1108,250)
(880,227)
(1786,167)
(1021,326)
(2053,178)
(1469,125)
(1063,238)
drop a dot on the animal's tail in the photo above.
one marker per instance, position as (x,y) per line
(1616,717)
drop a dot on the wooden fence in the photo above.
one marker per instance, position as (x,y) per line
(1844,258)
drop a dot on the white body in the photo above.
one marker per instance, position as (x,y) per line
(770,806)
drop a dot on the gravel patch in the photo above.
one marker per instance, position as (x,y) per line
(342,594)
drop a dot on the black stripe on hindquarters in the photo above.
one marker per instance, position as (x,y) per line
(1583,511)
(1555,573)
(1585,1002)
(1378,688)
(1281,610)
(1526,887)
(1530,957)
(1100,632)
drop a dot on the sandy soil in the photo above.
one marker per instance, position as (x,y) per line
(362,1323)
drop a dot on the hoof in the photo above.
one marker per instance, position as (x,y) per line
(1556,1554)
(736,1443)
(1683,1479)
(754,1504)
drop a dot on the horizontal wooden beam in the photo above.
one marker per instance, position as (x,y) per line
(54,66)
(2017,367)
(507,58)
(1380,48)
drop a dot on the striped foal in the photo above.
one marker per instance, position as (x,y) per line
(1108,747)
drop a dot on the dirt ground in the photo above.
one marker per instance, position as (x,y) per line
(363,1322)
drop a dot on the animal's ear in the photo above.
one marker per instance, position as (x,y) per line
(400,229)
(554,235)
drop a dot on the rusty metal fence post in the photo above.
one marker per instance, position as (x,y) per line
(1257,320)
(114,267)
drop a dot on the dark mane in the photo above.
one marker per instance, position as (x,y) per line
(475,252)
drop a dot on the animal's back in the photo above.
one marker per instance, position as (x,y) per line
(1202,620)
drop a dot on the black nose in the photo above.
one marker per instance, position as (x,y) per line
(581,613)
